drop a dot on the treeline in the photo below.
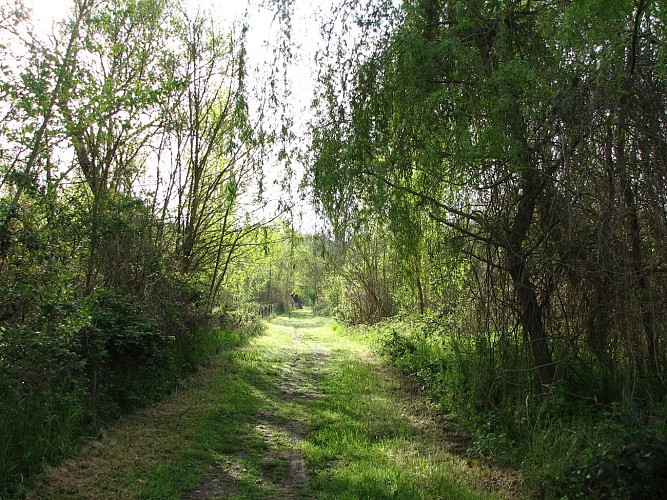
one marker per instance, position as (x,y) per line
(497,174)
(128,164)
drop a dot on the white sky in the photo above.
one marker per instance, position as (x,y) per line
(305,39)
(45,11)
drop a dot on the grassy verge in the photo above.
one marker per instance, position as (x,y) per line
(371,440)
(164,449)
(568,443)
(106,357)
(302,411)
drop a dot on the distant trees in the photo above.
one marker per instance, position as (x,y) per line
(531,137)
(279,266)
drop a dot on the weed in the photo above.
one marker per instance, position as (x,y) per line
(567,441)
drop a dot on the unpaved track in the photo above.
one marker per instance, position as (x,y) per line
(241,428)
(298,383)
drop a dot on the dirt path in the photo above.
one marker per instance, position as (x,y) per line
(303,411)
(281,438)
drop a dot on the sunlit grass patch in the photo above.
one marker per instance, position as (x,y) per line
(365,441)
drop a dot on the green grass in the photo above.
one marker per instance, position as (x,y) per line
(303,410)
(367,441)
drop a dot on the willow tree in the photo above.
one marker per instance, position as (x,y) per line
(500,122)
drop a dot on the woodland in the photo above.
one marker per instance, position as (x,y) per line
(493,177)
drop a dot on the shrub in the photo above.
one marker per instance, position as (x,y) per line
(125,354)
(74,364)
(569,443)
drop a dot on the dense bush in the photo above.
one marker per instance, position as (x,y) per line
(125,355)
(102,357)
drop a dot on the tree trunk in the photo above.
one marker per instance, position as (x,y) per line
(529,308)
(420,289)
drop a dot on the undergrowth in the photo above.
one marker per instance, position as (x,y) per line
(104,356)
(578,439)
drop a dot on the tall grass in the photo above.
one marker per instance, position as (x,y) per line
(37,431)
(578,438)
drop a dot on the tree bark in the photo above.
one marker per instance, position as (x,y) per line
(529,307)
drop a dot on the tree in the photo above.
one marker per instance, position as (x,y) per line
(113,108)
(488,118)
(215,147)
(32,104)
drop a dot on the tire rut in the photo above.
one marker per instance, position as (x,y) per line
(284,472)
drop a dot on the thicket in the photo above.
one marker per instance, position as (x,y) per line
(496,172)
(127,158)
